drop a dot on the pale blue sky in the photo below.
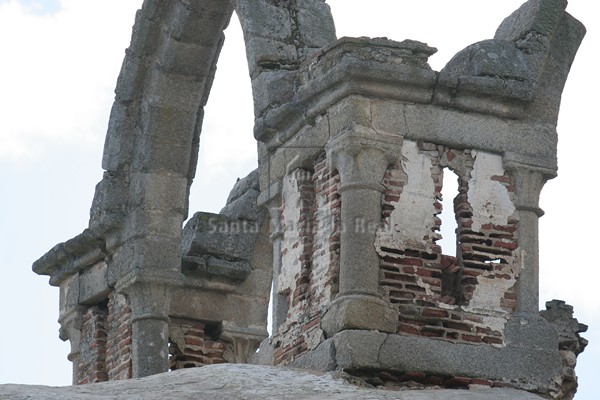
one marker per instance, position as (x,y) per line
(59,68)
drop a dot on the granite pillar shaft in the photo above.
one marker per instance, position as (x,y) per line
(361,157)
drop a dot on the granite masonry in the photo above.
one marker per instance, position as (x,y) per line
(341,219)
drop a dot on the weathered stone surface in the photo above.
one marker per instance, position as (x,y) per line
(220,236)
(510,74)
(343,211)
(93,284)
(234,382)
(243,185)
(571,343)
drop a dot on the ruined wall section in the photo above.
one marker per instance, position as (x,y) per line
(326,247)
(92,358)
(194,344)
(310,252)
(118,343)
(471,300)
(105,341)
(227,262)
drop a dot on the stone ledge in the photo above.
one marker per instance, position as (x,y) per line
(355,350)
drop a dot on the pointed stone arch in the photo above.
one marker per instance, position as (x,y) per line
(151,150)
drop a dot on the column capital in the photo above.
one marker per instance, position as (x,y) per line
(149,295)
(529,181)
(361,157)
(71,323)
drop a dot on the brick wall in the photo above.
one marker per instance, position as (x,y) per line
(190,345)
(310,254)
(92,357)
(118,345)
(105,347)
(467,296)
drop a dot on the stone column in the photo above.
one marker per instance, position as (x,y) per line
(361,157)
(526,328)
(71,323)
(529,182)
(149,299)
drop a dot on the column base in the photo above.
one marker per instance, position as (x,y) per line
(359,311)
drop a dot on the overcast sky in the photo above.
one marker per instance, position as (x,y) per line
(60,62)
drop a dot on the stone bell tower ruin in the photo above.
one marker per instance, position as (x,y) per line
(341,217)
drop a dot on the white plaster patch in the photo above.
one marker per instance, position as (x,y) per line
(291,248)
(489,291)
(413,216)
(496,323)
(425,286)
(489,199)
(321,263)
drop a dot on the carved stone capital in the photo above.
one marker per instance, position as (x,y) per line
(528,181)
(149,295)
(362,156)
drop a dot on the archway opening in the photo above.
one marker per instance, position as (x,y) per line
(227,144)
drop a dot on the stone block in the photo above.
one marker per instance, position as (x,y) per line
(264,20)
(243,185)
(235,270)
(146,35)
(130,83)
(69,293)
(272,168)
(118,144)
(93,284)
(323,358)
(110,197)
(531,332)
(353,110)
(160,156)
(155,9)
(358,348)
(532,369)
(258,283)
(174,91)
(200,25)
(272,88)
(244,207)
(189,302)
(175,57)
(314,134)
(270,195)
(153,191)
(212,267)
(359,312)
(264,52)
(149,223)
(317,28)
(539,16)
(155,254)
(264,355)
(247,311)
(219,236)
(170,125)
(388,117)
